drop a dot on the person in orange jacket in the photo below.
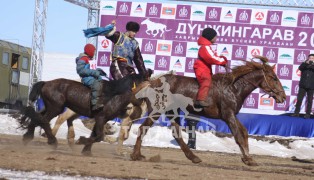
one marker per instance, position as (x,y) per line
(203,65)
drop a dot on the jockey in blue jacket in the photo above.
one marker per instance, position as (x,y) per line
(90,77)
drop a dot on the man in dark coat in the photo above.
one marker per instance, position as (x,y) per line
(306,86)
(126,52)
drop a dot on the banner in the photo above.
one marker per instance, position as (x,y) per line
(169,32)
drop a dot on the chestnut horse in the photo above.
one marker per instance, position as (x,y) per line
(60,93)
(226,96)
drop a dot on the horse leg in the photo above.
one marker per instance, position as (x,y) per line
(29,135)
(142,130)
(184,147)
(162,33)
(62,118)
(71,133)
(97,135)
(52,140)
(41,119)
(34,117)
(241,137)
(137,112)
(124,133)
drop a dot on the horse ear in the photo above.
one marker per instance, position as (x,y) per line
(274,67)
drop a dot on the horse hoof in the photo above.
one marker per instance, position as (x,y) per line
(81,140)
(122,151)
(86,153)
(137,157)
(249,162)
(196,160)
(27,139)
(53,143)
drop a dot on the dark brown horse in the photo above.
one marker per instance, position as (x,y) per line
(226,96)
(60,93)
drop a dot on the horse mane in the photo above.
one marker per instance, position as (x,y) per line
(157,76)
(122,85)
(239,71)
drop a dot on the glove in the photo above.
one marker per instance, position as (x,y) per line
(101,72)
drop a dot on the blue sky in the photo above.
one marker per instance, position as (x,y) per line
(65,22)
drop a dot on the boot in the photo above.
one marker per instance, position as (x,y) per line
(201,103)
(295,115)
(307,116)
(96,99)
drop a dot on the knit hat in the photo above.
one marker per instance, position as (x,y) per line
(209,33)
(89,50)
(132,26)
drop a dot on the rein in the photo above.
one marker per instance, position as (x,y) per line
(271,92)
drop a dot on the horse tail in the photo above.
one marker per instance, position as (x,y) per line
(195,109)
(29,116)
(36,91)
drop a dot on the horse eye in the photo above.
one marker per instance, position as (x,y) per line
(275,79)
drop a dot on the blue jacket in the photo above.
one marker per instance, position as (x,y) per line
(83,69)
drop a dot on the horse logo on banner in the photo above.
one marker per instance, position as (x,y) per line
(162,100)
(154,28)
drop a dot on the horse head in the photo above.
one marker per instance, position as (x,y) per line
(146,21)
(271,84)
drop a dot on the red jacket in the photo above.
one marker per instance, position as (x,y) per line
(207,56)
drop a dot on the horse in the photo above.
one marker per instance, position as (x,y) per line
(226,96)
(154,28)
(134,112)
(60,93)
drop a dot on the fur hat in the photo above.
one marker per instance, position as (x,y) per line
(89,50)
(209,33)
(132,26)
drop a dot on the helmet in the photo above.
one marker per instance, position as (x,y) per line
(209,33)
(132,26)
(89,50)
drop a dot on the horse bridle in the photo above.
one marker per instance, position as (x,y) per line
(271,92)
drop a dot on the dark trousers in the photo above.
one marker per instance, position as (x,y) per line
(301,94)
(119,69)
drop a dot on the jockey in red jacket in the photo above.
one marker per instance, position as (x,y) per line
(203,65)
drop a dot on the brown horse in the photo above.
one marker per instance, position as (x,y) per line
(134,112)
(226,96)
(60,93)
